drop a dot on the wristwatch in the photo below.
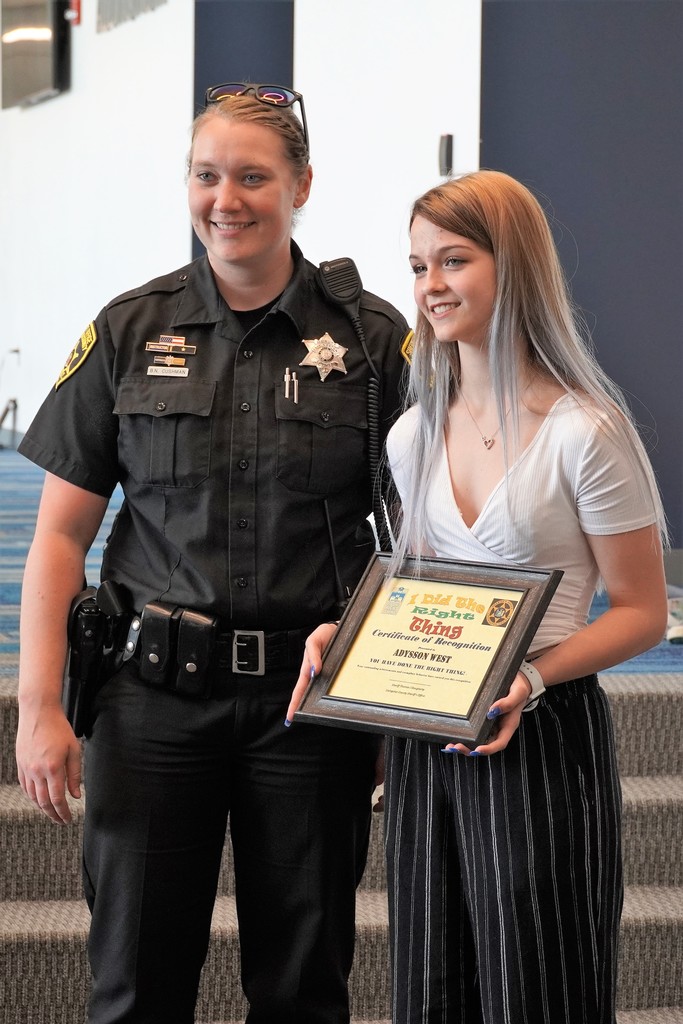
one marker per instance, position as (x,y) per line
(535,680)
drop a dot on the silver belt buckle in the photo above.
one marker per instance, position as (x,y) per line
(249,652)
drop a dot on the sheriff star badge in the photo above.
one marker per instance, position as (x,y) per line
(325,354)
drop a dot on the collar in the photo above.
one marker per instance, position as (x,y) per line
(201,303)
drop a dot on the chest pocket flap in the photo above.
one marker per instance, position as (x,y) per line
(165,429)
(322,439)
(325,405)
(149,396)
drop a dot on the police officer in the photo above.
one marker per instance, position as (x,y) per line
(230,401)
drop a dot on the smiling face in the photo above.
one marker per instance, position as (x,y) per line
(455,282)
(242,192)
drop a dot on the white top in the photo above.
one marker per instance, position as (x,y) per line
(572,480)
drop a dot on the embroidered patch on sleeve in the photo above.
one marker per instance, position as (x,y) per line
(407,346)
(78,355)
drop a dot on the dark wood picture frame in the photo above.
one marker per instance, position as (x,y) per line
(518,619)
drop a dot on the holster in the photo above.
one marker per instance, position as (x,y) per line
(86,636)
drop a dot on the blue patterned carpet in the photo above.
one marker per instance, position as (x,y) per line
(20,486)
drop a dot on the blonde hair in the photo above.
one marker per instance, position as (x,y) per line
(246,108)
(532,304)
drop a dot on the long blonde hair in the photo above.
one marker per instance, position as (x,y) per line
(532,303)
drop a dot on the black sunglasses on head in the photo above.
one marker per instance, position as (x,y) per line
(277,95)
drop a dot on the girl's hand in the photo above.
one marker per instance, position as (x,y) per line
(311,665)
(507,713)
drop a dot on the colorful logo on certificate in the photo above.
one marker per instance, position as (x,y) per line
(393,603)
(499,612)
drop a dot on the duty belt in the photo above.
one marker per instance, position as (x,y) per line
(182,649)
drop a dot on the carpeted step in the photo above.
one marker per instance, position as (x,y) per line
(45,972)
(652,923)
(651,951)
(9,718)
(41,861)
(648,716)
(659,1015)
(42,948)
(46,963)
(647,712)
(653,830)
(664,1015)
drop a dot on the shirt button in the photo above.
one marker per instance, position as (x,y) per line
(325,417)
(242,581)
(243,523)
(247,353)
(245,407)
(243,464)
(160,406)
(182,277)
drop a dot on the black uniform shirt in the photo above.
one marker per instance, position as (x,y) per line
(234,493)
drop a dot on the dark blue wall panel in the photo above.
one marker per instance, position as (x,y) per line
(583,101)
(242,41)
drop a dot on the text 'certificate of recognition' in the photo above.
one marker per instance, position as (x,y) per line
(427,651)
(426,648)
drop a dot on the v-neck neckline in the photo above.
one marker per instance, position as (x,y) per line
(520,458)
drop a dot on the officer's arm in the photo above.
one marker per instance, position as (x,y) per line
(48,753)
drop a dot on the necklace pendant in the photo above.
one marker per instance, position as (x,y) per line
(488,442)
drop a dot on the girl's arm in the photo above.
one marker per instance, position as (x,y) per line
(632,568)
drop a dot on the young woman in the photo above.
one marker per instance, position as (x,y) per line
(504,861)
(229,400)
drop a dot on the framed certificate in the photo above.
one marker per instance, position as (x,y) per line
(426,652)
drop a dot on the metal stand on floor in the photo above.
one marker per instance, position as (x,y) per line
(11,407)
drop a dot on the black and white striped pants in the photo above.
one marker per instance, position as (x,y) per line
(505,878)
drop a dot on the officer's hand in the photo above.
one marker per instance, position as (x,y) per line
(311,665)
(507,713)
(49,761)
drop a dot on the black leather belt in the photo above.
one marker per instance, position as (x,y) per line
(253,652)
(183,650)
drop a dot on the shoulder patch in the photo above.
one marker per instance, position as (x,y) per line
(407,346)
(78,355)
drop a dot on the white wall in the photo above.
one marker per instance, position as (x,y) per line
(93,190)
(382,80)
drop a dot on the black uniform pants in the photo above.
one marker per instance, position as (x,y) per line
(505,879)
(163,773)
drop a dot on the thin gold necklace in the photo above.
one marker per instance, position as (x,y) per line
(488,441)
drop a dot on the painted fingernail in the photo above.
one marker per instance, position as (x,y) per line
(493,713)
(473,753)
(312,671)
(287,723)
(448,750)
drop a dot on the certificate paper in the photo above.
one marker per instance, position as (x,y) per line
(428,654)
(426,648)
